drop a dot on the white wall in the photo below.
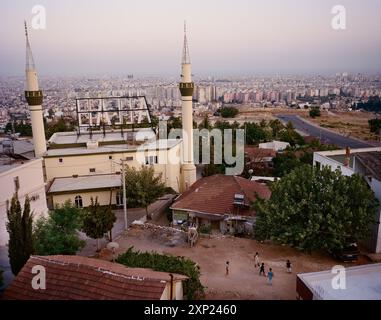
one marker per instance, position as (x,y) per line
(80,164)
(31,183)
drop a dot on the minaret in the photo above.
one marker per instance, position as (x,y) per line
(188,169)
(34,98)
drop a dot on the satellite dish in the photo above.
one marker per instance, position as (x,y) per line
(112,246)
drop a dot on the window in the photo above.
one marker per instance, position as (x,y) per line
(60,160)
(17,183)
(35,197)
(78,201)
(92,170)
(119,198)
(129,158)
(151,160)
(318,165)
(110,157)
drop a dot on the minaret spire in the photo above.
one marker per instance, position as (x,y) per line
(186,87)
(34,97)
(29,56)
(186,57)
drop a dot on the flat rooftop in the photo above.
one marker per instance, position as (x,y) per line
(162,144)
(362,283)
(80,183)
(84,137)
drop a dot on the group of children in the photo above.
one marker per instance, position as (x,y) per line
(261,266)
(270,274)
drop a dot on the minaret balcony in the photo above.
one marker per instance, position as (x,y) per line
(186,88)
(34,98)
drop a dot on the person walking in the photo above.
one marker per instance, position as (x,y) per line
(288,266)
(262,270)
(256,260)
(270,275)
(227,268)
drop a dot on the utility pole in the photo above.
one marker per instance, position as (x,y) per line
(124,194)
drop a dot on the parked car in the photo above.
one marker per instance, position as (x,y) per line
(349,253)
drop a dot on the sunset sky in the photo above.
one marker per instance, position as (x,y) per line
(226,37)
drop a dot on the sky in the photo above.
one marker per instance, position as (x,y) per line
(226,37)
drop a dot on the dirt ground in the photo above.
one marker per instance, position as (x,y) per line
(243,281)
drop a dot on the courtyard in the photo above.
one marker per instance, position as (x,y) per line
(243,281)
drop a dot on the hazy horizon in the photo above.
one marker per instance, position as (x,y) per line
(226,38)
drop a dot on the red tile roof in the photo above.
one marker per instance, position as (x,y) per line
(259,154)
(81,278)
(215,195)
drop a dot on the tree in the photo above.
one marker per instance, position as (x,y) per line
(375,126)
(314,209)
(291,136)
(315,112)
(193,289)
(58,233)
(255,133)
(228,112)
(143,187)
(94,221)
(19,227)
(60,125)
(205,124)
(276,127)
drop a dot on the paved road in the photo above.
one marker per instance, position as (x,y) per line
(325,135)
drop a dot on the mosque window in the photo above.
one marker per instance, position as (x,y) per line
(78,201)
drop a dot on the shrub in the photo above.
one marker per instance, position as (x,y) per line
(193,289)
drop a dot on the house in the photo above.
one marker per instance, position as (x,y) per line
(220,202)
(274,145)
(82,278)
(365,162)
(361,283)
(26,178)
(80,166)
(254,155)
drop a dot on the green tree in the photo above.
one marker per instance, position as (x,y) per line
(19,227)
(205,124)
(292,137)
(228,112)
(313,209)
(143,187)
(375,126)
(315,112)
(276,127)
(255,133)
(95,223)
(60,125)
(58,233)
(193,289)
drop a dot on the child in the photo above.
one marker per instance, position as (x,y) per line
(256,260)
(262,269)
(270,275)
(288,265)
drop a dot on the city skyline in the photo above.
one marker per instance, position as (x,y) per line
(143,38)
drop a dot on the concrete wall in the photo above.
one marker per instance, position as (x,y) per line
(177,292)
(324,161)
(103,197)
(81,164)
(31,183)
